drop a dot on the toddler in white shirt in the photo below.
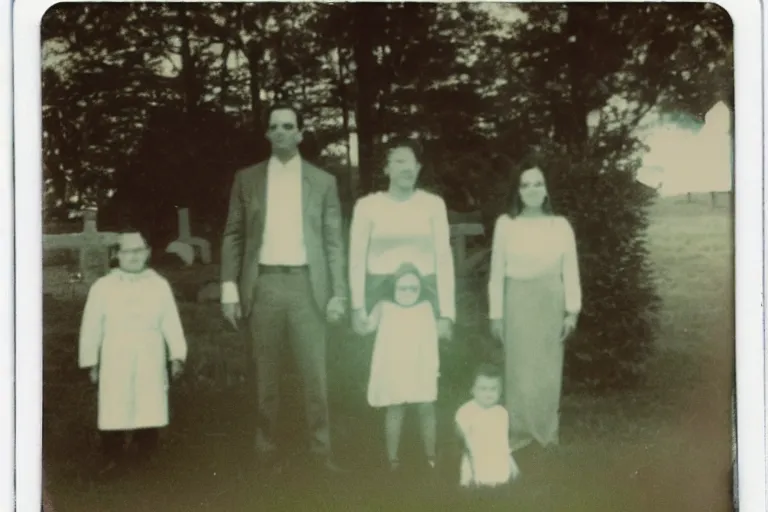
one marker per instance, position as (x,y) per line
(483,425)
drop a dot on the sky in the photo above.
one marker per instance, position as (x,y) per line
(687,157)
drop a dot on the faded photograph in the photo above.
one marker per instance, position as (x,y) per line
(388,256)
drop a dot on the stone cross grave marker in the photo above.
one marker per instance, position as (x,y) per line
(92,245)
(187,246)
(185,231)
(463,226)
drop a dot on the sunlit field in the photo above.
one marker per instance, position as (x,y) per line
(662,447)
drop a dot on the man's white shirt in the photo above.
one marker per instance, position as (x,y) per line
(283,234)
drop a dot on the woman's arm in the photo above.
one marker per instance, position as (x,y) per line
(374,319)
(571,276)
(444,268)
(359,237)
(497,272)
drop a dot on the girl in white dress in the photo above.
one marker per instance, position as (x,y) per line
(405,361)
(483,425)
(130,329)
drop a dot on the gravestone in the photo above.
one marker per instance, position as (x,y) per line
(91,244)
(464,225)
(186,246)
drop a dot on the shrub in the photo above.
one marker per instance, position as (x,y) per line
(608,210)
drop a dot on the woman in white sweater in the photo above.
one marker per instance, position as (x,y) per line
(534,295)
(403,225)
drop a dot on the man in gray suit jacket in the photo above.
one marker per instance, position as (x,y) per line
(283,272)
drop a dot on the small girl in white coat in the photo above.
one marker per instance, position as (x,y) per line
(130,329)
(405,361)
(483,425)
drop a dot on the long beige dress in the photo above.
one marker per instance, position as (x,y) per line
(534,281)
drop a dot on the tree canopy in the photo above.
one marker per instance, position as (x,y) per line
(149,106)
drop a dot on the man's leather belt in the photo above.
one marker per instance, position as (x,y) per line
(282,269)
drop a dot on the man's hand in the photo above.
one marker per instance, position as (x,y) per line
(177,368)
(445,329)
(232,313)
(497,329)
(360,321)
(569,325)
(93,374)
(336,309)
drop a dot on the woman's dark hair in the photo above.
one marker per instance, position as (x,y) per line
(284,105)
(488,370)
(408,143)
(515,207)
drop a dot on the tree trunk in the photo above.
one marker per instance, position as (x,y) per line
(53,162)
(224,96)
(365,75)
(571,128)
(255,53)
(343,96)
(187,62)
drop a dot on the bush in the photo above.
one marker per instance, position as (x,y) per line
(608,210)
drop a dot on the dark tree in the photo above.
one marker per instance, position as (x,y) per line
(151,106)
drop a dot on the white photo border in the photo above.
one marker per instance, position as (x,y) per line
(750,356)
(6,264)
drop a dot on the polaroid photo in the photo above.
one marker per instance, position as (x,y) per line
(388,256)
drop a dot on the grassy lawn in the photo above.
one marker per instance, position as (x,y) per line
(664,447)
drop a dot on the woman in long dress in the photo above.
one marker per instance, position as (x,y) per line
(534,295)
(402,225)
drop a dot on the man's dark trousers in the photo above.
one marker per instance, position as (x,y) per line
(285,312)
